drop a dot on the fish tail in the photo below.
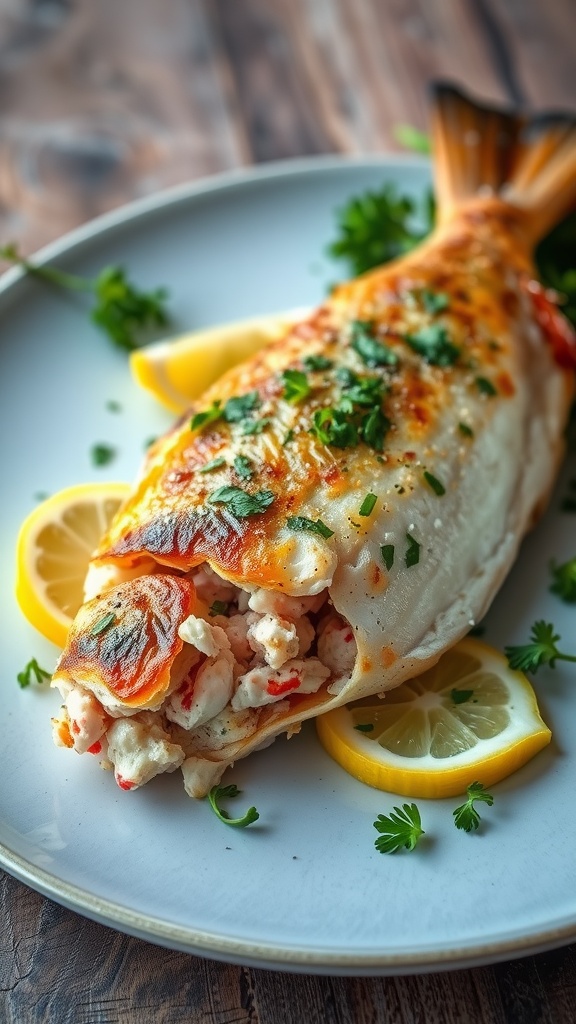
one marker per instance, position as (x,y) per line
(528,161)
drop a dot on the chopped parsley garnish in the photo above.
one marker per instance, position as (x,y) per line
(219,608)
(371,351)
(486,387)
(240,407)
(32,672)
(465,430)
(412,556)
(103,624)
(357,390)
(387,552)
(122,311)
(434,345)
(332,426)
(202,419)
(434,302)
(240,503)
(364,727)
(374,429)
(255,426)
(401,829)
(542,650)
(296,386)
(314,363)
(216,463)
(312,525)
(102,454)
(235,410)
(289,436)
(367,506)
(434,483)
(466,816)
(218,793)
(243,467)
(564,580)
(461,696)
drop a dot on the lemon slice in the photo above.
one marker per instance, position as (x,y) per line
(180,369)
(53,549)
(470,717)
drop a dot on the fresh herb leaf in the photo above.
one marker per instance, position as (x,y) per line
(243,467)
(412,556)
(312,525)
(219,608)
(434,302)
(296,386)
(542,650)
(564,580)
(240,407)
(103,624)
(374,428)
(289,436)
(434,483)
(332,426)
(365,391)
(314,363)
(486,387)
(216,463)
(461,696)
(434,345)
(401,829)
(367,506)
(251,427)
(240,503)
(412,138)
(465,430)
(202,419)
(218,793)
(32,672)
(102,454)
(387,552)
(378,226)
(466,816)
(371,351)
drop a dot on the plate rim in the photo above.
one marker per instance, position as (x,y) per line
(194,940)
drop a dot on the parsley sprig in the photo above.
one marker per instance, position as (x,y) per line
(121,310)
(401,829)
(542,650)
(218,793)
(466,816)
(32,672)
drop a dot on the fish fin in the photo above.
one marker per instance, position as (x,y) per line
(529,161)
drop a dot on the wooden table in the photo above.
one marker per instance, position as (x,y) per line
(106,100)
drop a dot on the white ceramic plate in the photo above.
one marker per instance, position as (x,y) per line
(304,889)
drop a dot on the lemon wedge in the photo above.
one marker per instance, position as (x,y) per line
(53,549)
(470,717)
(180,369)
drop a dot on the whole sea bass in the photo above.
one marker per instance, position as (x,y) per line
(337,512)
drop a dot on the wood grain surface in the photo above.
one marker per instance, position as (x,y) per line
(102,101)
